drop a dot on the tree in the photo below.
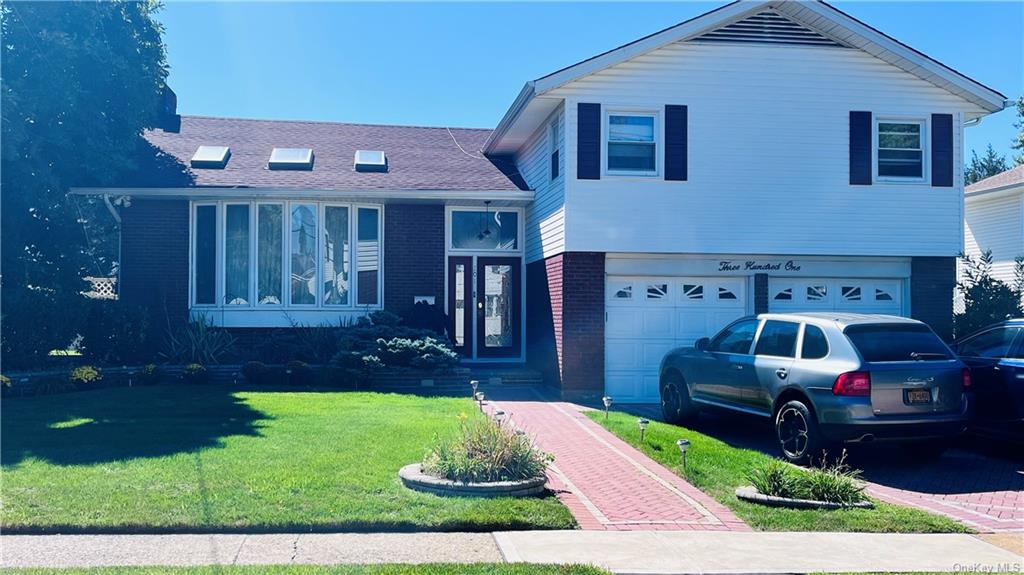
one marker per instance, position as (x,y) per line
(988,165)
(1018,142)
(81,81)
(986,299)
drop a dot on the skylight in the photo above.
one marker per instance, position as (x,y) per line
(371,161)
(291,159)
(215,157)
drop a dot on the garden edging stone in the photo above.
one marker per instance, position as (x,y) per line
(413,477)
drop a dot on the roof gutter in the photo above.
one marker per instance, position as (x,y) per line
(522,100)
(468,197)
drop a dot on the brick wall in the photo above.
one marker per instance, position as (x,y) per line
(932,281)
(413,255)
(154,257)
(565,322)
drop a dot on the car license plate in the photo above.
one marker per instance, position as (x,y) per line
(914,396)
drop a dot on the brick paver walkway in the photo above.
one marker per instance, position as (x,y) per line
(608,484)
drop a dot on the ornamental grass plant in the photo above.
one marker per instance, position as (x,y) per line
(484,450)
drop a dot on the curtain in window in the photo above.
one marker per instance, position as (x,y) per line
(269,254)
(236,255)
(336,255)
(303,254)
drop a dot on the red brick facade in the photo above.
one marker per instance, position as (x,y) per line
(565,322)
(154,257)
(414,262)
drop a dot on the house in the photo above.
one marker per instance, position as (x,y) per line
(764,156)
(994,220)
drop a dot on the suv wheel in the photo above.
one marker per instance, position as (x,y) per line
(676,406)
(797,432)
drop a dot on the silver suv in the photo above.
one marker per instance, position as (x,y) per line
(824,379)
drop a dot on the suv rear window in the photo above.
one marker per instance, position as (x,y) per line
(897,342)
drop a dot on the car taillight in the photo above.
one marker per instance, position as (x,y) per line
(967,378)
(853,383)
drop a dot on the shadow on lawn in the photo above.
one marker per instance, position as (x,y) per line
(115,424)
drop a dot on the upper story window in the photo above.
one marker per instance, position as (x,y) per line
(632,146)
(901,149)
(555,135)
(307,255)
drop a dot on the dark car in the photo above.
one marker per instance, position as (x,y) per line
(995,356)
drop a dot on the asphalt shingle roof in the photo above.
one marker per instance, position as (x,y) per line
(419,158)
(1007,178)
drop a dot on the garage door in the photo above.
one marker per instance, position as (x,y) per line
(648,316)
(830,294)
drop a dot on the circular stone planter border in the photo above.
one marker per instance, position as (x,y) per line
(755,496)
(413,477)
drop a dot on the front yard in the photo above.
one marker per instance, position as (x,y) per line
(717,468)
(213,458)
(428,569)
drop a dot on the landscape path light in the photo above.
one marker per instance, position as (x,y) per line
(474,383)
(642,422)
(498,414)
(607,401)
(480,400)
(683,445)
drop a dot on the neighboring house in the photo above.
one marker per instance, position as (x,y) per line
(763,156)
(994,220)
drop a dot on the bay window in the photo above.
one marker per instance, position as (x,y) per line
(266,255)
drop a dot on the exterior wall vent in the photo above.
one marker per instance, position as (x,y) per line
(215,157)
(291,159)
(768,28)
(370,161)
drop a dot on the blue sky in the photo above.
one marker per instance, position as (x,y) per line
(462,64)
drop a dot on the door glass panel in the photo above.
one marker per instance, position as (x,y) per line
(460,305)
(367,255)
(498,329)
(777,338)
(735,338)
(269,253)
(336,254)
(303,254)
(994,343)
(485,230)
(206,254)
(236,255)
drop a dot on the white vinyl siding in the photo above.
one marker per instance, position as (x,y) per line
(768,131)
(545,217)
(996,224)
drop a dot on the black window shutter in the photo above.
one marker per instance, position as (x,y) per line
(554,164)
(588,141)
(675,143)
(860,148)
(942,150)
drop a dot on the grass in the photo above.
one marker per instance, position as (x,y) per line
(215,459)
(426,569)
(718,469)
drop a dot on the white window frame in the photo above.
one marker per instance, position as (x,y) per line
(659,140)
(554,136)
(449,222)
(286,305)
(925,151)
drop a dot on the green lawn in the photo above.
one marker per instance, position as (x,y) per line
(213,458)
(718,469)
(429,569)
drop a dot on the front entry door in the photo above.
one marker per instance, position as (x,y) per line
(485,306)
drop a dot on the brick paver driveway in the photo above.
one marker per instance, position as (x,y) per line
(605,482)
(973,483)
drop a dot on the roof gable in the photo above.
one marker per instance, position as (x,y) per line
(804,22)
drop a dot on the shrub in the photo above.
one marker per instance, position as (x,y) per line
(115,333)
(299,372)
(198,341)
(150,374)
(775,477)
(385,318)
(85,375)
(986,299)
(832,482)
(255,372)
(482,451)
(427,353)
(195,373)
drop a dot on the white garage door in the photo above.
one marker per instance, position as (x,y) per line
(648,316)
(830,294)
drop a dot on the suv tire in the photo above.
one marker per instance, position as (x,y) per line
(676,406)
(796,430)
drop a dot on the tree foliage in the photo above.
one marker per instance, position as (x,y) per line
(1018,142)
(986,166)
(80,82)
(986,299)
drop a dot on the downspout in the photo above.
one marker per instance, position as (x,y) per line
(117,218)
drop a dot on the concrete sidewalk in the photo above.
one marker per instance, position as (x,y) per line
(647,552)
